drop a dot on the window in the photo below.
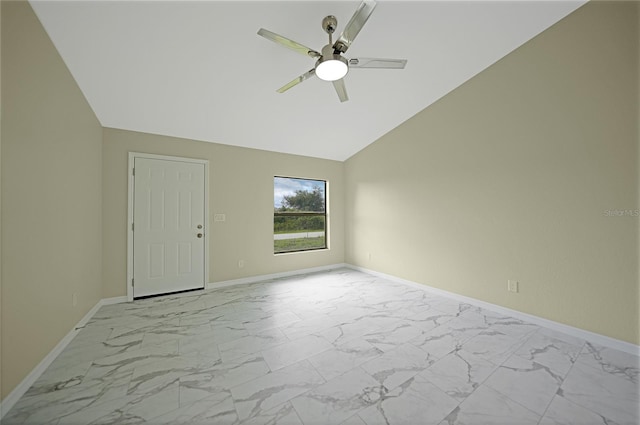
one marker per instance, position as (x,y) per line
(299,214)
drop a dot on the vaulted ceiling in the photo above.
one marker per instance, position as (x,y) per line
(198,70)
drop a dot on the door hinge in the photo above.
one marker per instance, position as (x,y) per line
(134,171)
(132,282)
(133,227)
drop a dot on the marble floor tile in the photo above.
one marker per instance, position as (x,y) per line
(166,372)
(391,336)
(92,334)
(137,328)
(446,338)
(338,399)
(354,420)
(174,311)
(451,307)
(561,336)
(294,351)
(548,350)
(529,383)
(269,320)
(216,409)
(310,309)
(60,377)
(128,410)
(43,407)
(204,344)
(335,347)
(308,326)
(344,357)
(493,346)
(564,412)
(251,344)
(221,375)
(205,315)
(375,319)
(477,317)
(347,331)
(228,330)
(459,373)
(611,395)
(611,361)
(468,324)
(108,322)
(397,366)
(165,333)
(510,326)
(416,401)
(283,414)
(428,319)
(486,406)
(348,311)
(111,365)
(260,395)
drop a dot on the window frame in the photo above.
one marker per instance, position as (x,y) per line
(324,214)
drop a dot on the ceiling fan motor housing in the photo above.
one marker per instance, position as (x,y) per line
(329,24)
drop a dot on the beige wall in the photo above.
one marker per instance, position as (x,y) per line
(241,187)
(51,197)
(509,176)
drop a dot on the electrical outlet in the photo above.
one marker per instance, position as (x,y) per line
(219,217)
(240,264)
(369,256)
(74,299)
(512,285)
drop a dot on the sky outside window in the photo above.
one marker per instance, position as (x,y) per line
(287,186)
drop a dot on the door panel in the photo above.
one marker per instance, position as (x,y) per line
(168,255)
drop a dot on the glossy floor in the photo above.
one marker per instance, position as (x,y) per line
(339,347)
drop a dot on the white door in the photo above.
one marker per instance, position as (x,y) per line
(168,226)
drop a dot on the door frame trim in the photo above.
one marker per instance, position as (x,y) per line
(130,201)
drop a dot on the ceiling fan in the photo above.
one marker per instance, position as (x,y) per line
(331,65)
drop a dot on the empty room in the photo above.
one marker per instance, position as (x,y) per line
(320,212)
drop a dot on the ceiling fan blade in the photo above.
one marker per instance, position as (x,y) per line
(354,26)
(297,80)
(290,44)
(377,63)
(341,89)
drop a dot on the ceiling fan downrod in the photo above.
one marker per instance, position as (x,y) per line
(329,25)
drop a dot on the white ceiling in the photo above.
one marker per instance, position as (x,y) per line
(198,70)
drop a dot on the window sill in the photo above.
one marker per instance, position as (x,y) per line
(306,251)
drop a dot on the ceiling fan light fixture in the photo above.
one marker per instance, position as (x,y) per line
(332,68)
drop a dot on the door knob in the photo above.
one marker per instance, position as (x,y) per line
(199,226)
(199,235)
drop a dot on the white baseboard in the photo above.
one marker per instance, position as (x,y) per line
(7,403)
(260,278)
(540,321)
(114,300)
